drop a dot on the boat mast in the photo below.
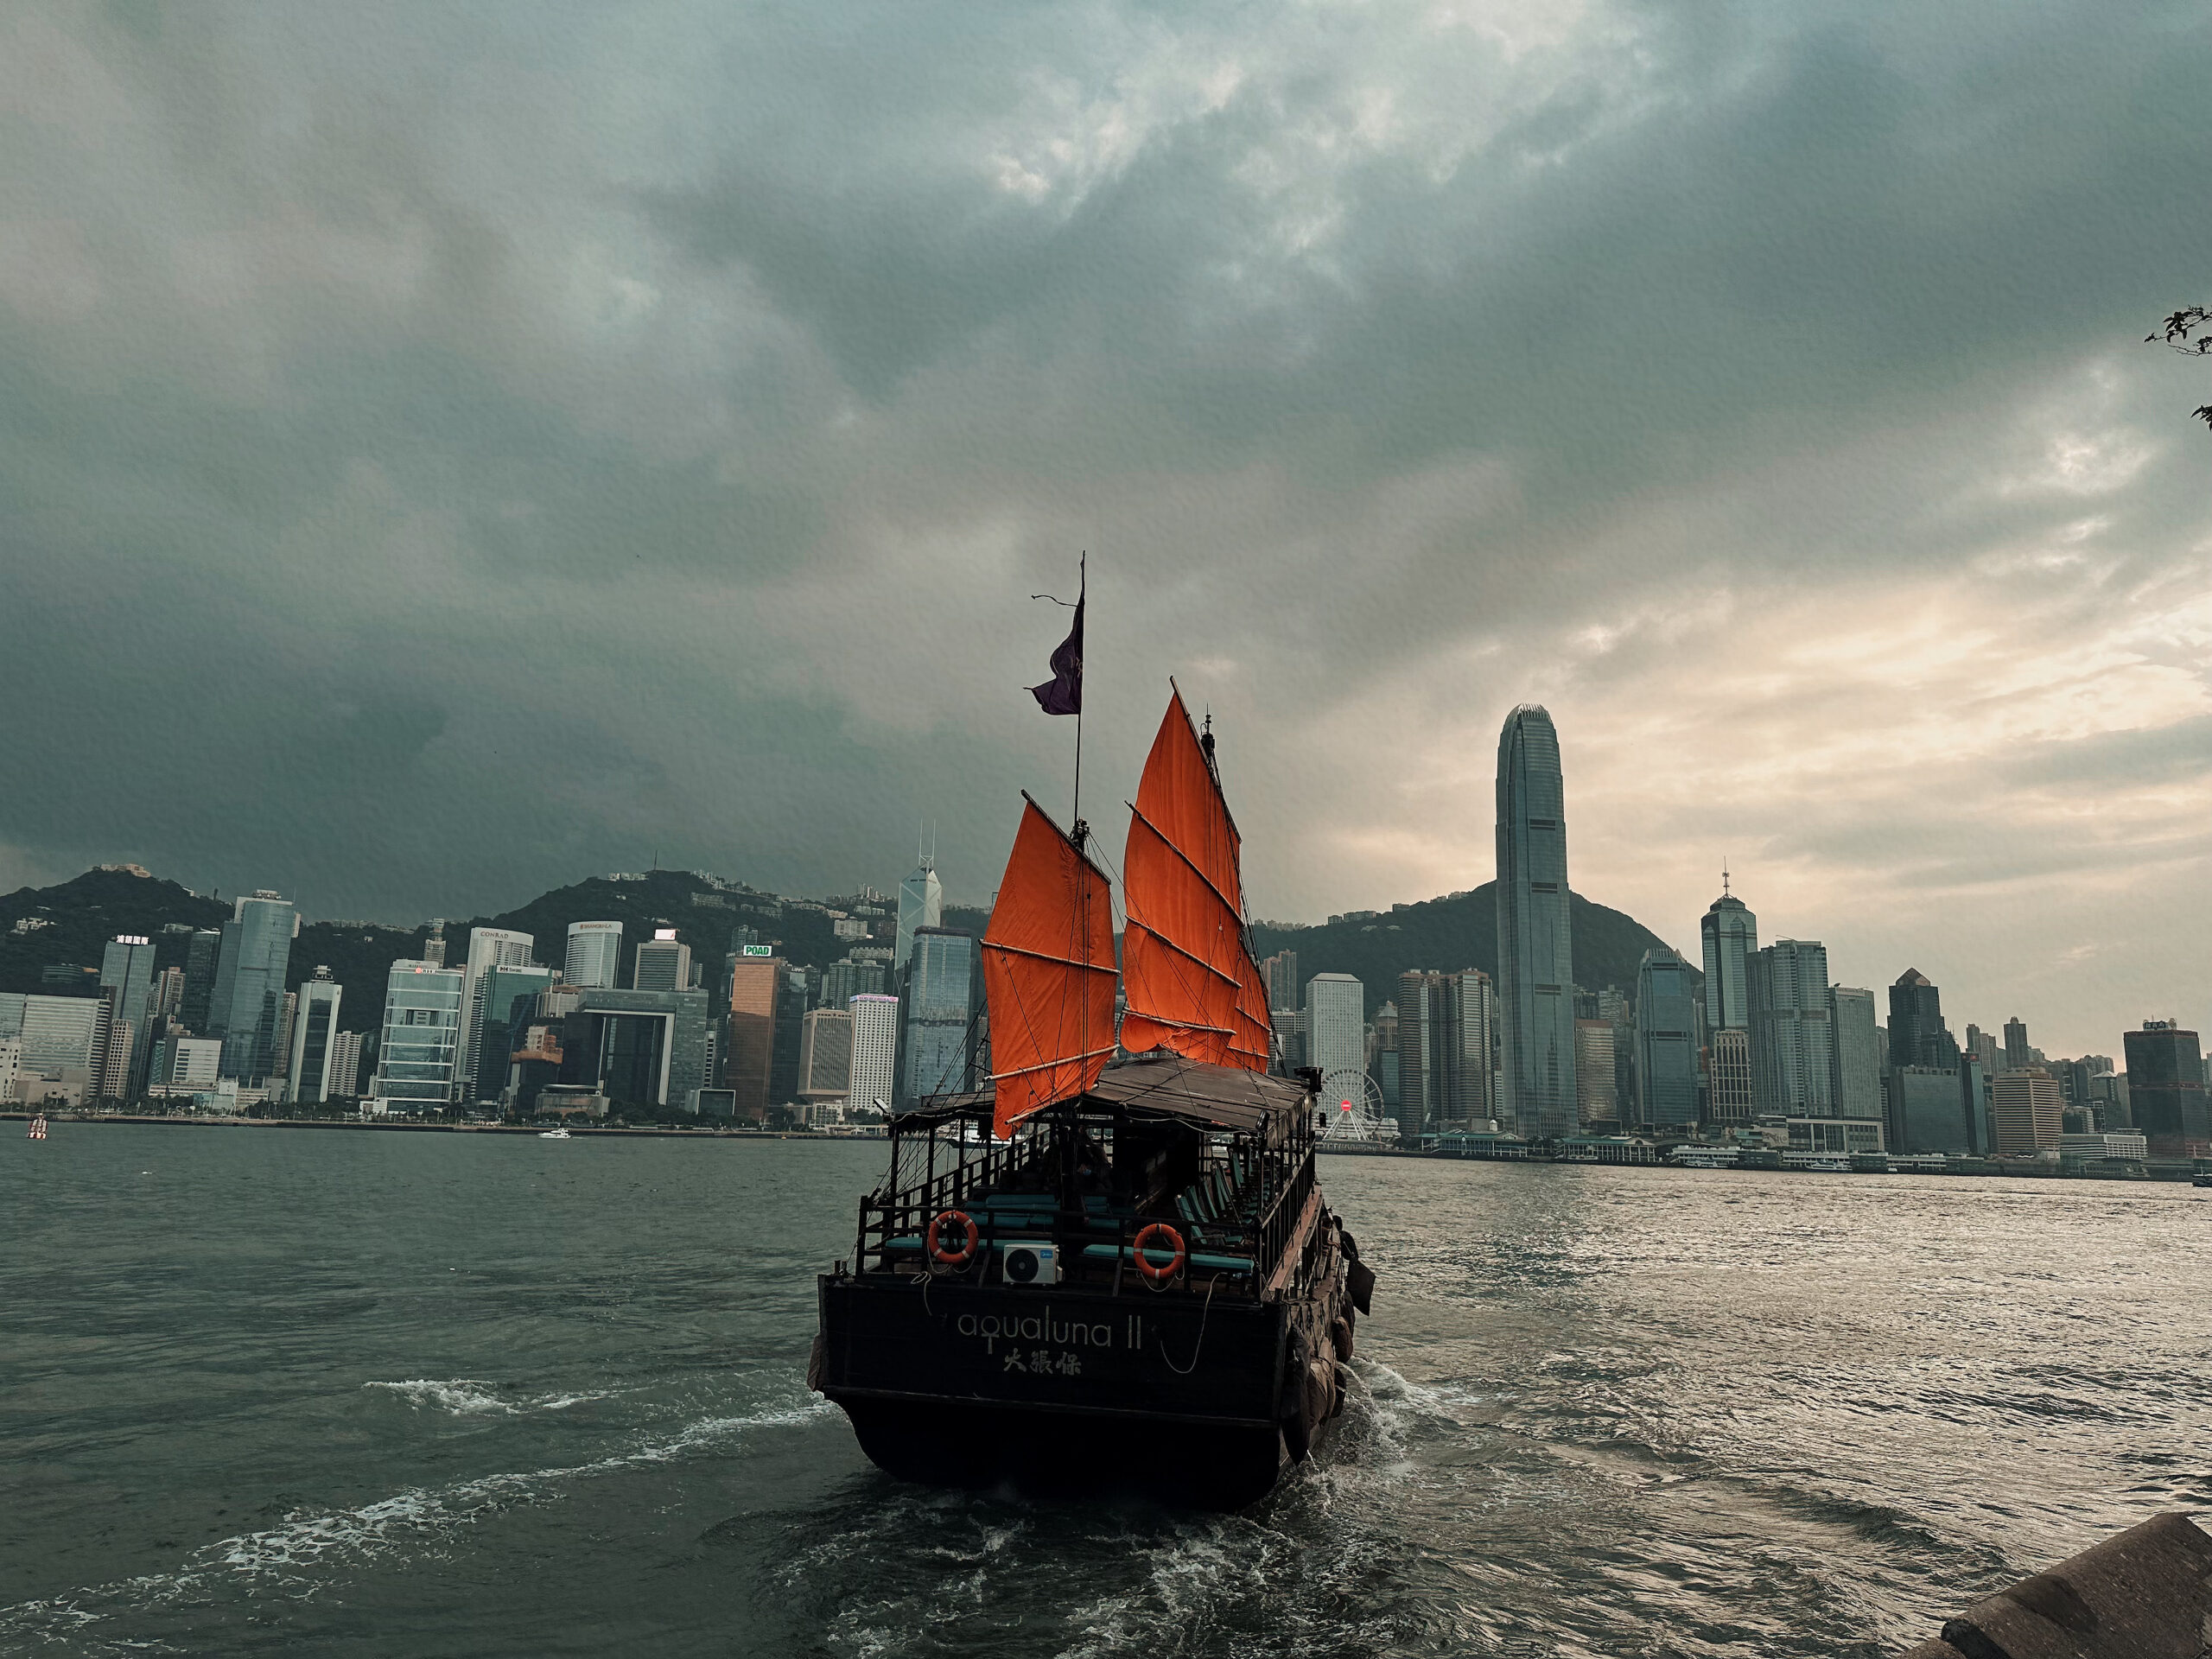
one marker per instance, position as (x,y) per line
(1080,831)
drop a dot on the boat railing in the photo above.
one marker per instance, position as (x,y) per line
(1281,1219)
(1266,1194)
(893,1211)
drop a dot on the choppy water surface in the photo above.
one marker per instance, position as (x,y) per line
(341,1393)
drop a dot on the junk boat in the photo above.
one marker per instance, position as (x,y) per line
(1102,1275)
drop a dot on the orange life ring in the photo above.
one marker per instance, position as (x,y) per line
(961,1258)
(1173,1239)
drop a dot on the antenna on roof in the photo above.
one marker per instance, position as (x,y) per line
(1724,877)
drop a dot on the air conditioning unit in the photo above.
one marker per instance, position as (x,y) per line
(1032,1264)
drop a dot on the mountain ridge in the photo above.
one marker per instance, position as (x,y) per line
(75,919)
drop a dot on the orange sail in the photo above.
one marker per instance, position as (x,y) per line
(1191,983)
(1048,973)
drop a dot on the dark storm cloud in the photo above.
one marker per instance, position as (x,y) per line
(446,450)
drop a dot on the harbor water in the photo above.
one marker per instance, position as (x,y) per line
(350,1393)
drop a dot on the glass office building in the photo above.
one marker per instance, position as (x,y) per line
(1536,949)
(247,1003)
(937,1014)
(1793,1051)
(503,992)
(422,1040)
(1666,1041)
(315,1036)
(1731,934)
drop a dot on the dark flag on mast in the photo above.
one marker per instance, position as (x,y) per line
(1062,693)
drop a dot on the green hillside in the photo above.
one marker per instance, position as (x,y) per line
(77,917)
(1451,933)
(74,919)
(72,922)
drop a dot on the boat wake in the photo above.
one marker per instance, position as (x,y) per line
(893,1569)
(301,1555)
(467,1398)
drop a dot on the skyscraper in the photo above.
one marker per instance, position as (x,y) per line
(421,1039)
(937,1038)
(638,1048)
(249,994)
(1536,951)
(488,948)
(595,958)
(342,1074)
(314,1034)
(2024,1108)
(1929,1109)
(663,963)
(875,1047)
(749,1056)
(921,904)
(1336,1038)
(1420,1099)
(200,957)
(1598,1107)
(2166,1090)
(65,1039)
(1984,1047)
(505,992)
(1917,1034)
(1281,972)
(281,1064)
(841,982)
(1856,1088)
(2016,1043)
(1383,1057)
(825,1056)
(127,968)
(1731,934)
(1618,1010)
(1471,1093)
(1666,1041)
(1729,1080)
(790,1034)
(1792,1056)
(1444,1030)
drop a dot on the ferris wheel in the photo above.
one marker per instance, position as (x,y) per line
(1351,1107)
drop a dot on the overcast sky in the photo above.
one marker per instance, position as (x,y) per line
(448,451)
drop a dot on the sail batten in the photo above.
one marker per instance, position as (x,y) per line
(1187,971)
(1048,973)
(1231,902)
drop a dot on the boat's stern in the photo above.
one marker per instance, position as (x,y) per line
(1057,1389)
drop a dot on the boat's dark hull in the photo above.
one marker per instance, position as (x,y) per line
(1061,1391)
(1052,1455)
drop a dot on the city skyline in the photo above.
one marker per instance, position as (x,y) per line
(2060,1026)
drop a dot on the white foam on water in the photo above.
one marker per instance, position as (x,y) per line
(466,1396)
(462,1396)
(283,1557)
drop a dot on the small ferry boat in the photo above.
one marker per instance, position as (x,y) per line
(1690,1155)
(1096,1274)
